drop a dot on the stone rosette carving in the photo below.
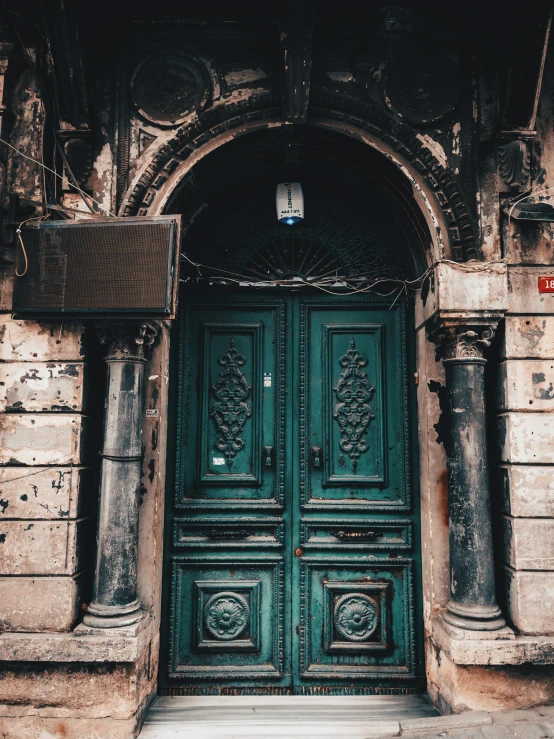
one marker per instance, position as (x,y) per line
(422,88)
(168,87)
(226,615)
(230,411)
(356,616)
(127,339)
(353,412)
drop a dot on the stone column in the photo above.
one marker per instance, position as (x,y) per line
(472,603)
(114,602)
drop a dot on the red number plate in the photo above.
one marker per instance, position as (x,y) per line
(546,284)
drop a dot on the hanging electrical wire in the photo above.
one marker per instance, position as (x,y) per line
(342,285)
(75,187)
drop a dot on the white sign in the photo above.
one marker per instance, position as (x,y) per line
(267,379)
(290,203)
(218,461)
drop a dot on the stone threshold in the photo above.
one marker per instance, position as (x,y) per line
(81,645)
(275,717)
(502,647)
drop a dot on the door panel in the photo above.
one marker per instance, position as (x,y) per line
(228,618)
(229,451)
(353,407)
(358,626)
(292,555)
(229,609)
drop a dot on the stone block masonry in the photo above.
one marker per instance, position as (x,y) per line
(525,421)
(46,497)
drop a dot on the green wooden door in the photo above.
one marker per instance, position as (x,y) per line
(291,547)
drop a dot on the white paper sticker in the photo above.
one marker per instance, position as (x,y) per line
(218,460)
(151,413)
(267,379)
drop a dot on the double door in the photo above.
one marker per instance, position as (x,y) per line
(291,557)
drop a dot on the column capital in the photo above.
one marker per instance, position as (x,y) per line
(127,339)
(462,338)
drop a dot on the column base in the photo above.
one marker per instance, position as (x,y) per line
(478,618)
(112,617)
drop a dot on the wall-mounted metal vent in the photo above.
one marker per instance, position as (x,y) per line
(116,266)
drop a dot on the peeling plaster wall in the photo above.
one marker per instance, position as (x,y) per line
(524,401)
(45,522)
(46,494)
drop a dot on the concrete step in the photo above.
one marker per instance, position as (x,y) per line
(290,717)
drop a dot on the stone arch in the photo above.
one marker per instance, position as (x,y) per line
(436,190)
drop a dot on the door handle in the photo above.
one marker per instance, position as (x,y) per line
(231,533)
(268,457)
(317,457)
(355,534)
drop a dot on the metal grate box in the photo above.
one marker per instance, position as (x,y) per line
(111,267)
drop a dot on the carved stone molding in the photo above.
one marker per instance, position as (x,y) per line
(79,154)
(463,341)
(127,339)
(514,159)
(422,88)
(168,87)
(401,137)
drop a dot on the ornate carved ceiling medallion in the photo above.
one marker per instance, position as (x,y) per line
(422,88)
(166,88)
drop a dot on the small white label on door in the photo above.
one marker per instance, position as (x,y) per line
(218,460)
(267,379)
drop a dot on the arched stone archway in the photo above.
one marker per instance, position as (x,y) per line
(435,189)
(433,192)
(205,176)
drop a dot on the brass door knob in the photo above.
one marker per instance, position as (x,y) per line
(299,551)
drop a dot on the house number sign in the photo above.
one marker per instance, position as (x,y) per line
(546,284)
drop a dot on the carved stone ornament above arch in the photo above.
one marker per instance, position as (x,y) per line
(442,199)
(167,87)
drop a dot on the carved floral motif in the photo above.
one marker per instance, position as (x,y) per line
(353,411)
(226,615)
(356,616)
(230,411)
(129,339)
(470,343)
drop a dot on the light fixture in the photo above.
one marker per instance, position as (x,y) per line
(290,203)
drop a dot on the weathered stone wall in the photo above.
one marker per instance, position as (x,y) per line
(47,494)
(525,401)
(45,501)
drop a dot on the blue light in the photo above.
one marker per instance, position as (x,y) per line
(291,220)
